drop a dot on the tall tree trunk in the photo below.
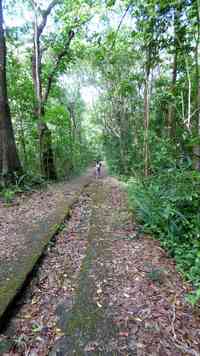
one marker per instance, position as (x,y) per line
(47,159)
(9,160)
(196,149)
(72,138)
(119,114)
(46,153)
(23,141)
(125,135)
(171,121)
(146,114)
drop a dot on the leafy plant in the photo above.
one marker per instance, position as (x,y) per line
(8,195)
(168,206)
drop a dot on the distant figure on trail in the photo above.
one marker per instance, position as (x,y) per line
(98,169)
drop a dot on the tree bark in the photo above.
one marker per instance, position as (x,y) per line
(47,158)
(146,114)
(72,133)
(9,160)
(171,111)
(46,153)
(23,141)
(197,147)
(171,120)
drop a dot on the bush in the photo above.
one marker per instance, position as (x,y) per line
(22,183)
(8,195)
(168,205)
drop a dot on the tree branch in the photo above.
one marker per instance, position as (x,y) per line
(120,23)
(45,15)
(63,53)
(54,70)
(72,115)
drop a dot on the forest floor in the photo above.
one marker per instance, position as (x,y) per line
(103,288)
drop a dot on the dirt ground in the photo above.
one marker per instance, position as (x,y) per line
(104,289)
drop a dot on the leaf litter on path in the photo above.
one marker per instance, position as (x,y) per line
(34,329)
(100,268)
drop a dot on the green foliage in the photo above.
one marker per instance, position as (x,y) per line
(23,183)
(8,195)
(110,3)
(168,206)
(194,297)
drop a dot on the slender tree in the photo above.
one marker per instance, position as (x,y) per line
(197,101)
(41,92)
(9,160)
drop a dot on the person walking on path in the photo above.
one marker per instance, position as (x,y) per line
(98,169)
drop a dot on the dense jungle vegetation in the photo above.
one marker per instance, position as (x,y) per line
(117,80)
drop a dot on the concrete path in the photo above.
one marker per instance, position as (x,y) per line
(28,241)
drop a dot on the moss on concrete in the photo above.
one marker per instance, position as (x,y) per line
(87,321)
(14,273)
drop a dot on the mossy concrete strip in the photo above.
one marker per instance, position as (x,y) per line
(14,273)
(86,321)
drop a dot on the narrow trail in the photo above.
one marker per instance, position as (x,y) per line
(103,289)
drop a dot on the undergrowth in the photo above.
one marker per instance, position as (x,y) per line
(23,183)
(168,206)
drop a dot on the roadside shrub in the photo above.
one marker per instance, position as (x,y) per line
(7,195)
(168,206)
(21,184)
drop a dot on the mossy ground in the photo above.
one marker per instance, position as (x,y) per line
(88,322)
(15,270)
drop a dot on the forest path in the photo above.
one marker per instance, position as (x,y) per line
(29,209)
(26,227)
(103,289)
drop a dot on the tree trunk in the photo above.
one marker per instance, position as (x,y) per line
(178,38)
(9,160)
(119,114)
(47,165)
(71,141)
(171,112)
(23,141)
(196,149)
(46,153)
(146,114)
(41,94)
